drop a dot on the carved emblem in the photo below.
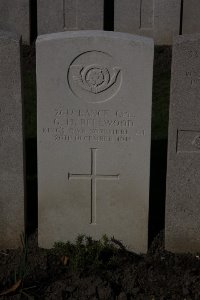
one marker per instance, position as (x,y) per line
(94,76)
(196,141)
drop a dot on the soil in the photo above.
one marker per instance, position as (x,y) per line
(156,275)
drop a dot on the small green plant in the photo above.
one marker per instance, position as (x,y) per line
(86,252)
(22,269)
(21,272)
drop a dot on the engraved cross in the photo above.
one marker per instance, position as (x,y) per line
(93,177)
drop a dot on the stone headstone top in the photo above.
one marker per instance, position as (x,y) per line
(94,124)
(15,17)
(63,15)
(159,19)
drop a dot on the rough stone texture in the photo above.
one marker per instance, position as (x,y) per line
(11,143)
(94,124)
(159,19)
(191,19)
(15,17)
(183,174)
(61,15)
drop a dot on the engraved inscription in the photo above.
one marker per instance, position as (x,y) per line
(93,177)
(94,77)
(146,14)
(188,141)
(83,125)
(196,142)
(193,77)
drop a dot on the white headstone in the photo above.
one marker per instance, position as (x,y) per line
(159,19)
(11,143)
(15,17)
(182,228)
(62,15)
(94,132)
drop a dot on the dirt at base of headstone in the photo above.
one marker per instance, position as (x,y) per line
(157,275)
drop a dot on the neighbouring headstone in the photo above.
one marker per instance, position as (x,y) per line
(15,17)
(11,143)
(63,15)
(183,175)
(94,132)
(191,19)
(159,19)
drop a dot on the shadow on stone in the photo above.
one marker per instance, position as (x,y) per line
(33,20)
(109,15)
(31,186)
(157,188)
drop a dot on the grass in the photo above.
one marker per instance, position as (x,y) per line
(20,272)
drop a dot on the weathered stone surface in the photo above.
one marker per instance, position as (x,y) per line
(11,143)
(191,19)
(183,174)
(94,124)
(15,17)
(159,19)
(61,15)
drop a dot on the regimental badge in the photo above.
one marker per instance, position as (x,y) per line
(94,76)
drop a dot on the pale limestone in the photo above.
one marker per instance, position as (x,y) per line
(63,15)
(159,19)
(94,130)
(11,143)
(182,233)
(15,17)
